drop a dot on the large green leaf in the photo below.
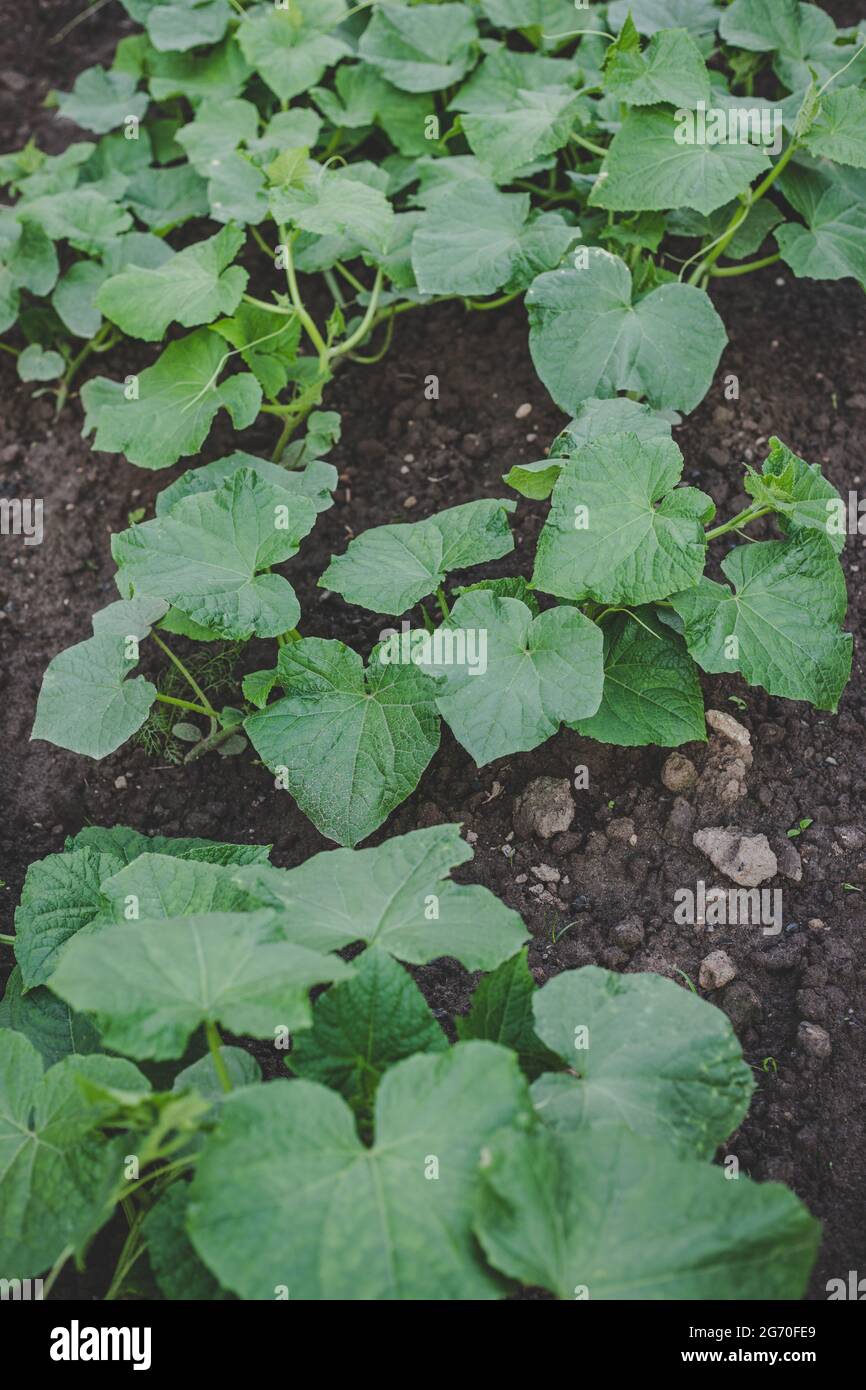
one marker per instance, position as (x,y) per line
(61,894)
(651,164)
(176,1267)
(217,75)
(620,1217)
(156,886)
(86,702)
(516,108)
(176,401)
(785,610)
(84,217)
(396,897)
(804,39)
(832,244)
(364,1026)
(52,1027)
(593,419)
(192,288)
(211,556)
(652,694)
(102,100)
(165,198)
(798,492)
(291,48)
(389,568)
(588,338)
(839,132)
(57,1169)
(506,680)
(475,240)
(619,529)
(698,16)
(127,845)
(334,202)
(218,967)
(641,1052)
(316,480)
(421,49)
(502,1013)
(375,731)
(286,1196)
(177,25)
(671,69)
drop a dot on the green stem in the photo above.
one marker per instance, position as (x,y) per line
(742,213)
(363,328)
(443,603)
(269,307)
(352,279)
(747,269)
(492,303)
(190,680)
(183,704)
(78,361)
(295,295)
(51,1278)
(589,145)
(6,939)
(214,1042)
(741,519)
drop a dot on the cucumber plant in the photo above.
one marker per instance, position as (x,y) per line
(536,1150)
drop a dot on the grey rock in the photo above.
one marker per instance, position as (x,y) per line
(679,774)
(544,808)
(744,858)
(629,932)
(717,970)
(814,1039)
(789,861)
(850,836)
(741,1004)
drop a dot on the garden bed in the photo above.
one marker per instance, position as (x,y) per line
(798,350)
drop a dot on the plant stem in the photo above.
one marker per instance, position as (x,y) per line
(214,1042)
(589,145)
(755,195)
(183,704)
(443,603)
(6,939)
(269,308)
(69,375)
(363,328)
(492,303)
(295,295)
(191,682)
(730,270)
(741,519)
(51,1278)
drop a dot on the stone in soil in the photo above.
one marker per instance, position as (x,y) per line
(545,808)
(744,858)
(717,970)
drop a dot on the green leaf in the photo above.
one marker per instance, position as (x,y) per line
(789,602)
(420,49)
(58,1169)
(86,702)
(671,69)
(27,254)
(619,529)
(804,38)
(617,1217)
(165,198)
(832,244)
(322,203)
(176,1267)
(475,240)
(593,419)
(102,100)
(376,731)
(587,337)
(156,886)
(392,897)
(798,491)
(176,25)
(656,161)
(517,108)
(191,288)
(501,1012)
(362,1027)
(85,218)
(286,1195)
(506,680)
(315,481)
(388,569)
(54,1030)
(621,1038)
(74,299)
(126,845)
(218,75)
(290,49)
(216,132)
(267,343)
(202,1077)
(35,363)
(207,556)
(698,16)
(177,400)
(839,132)
(219,967)
(652,694)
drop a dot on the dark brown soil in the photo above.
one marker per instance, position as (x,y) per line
(798,350)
